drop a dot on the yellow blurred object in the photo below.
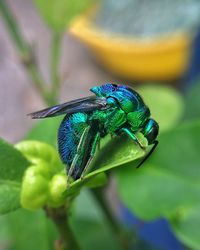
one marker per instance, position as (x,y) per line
(162,58)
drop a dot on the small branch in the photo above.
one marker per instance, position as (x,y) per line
(37,80)
(24,50)
(67,240)
(121,235)
(56,44)
(13,29)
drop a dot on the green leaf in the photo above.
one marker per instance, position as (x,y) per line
(98,181)
(192,104)
(12,167)
(4,231)
(9,196)
(187,227)
(90,226)
(36,151)
(169,179)
(13,163)
(116,152)
(45,131)
(27,230)
(59,13)
(165,103)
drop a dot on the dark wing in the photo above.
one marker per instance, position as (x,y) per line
(79,105)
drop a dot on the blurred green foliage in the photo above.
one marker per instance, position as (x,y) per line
(22,230)
(192,102)
(168,185)
(12,167)
(19,226)
(90,225)
(58,14)
(187,229)
(166,105)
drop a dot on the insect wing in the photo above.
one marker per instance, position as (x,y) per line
(86,104)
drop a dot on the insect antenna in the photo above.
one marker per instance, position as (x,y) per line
(149,153)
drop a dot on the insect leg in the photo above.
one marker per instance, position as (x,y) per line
(79,150)
(132,136)
(85,150)
(93,149)
(149,153)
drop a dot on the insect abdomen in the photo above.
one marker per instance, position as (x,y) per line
(69,135)
(77,140)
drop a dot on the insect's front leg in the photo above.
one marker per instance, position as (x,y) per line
(132,136)
(137,141)
(79,152)
(94,145)
(85,151)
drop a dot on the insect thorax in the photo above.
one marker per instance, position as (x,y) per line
(110,120)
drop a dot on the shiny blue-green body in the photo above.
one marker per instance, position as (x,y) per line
(126,113)
(114,109)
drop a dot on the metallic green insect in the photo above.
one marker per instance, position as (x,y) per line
(114,109)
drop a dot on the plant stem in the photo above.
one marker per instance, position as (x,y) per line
(122,235)
(24,50)
(13,28)
(56,44)
(67,240)
(38,82)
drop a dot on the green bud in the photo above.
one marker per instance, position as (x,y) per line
(34,192)
(57,186)
(43,169)
(36,151)
(43,182)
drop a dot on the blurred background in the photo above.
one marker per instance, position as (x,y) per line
(78,70)
(137,43)
(130,44)
(118,41)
